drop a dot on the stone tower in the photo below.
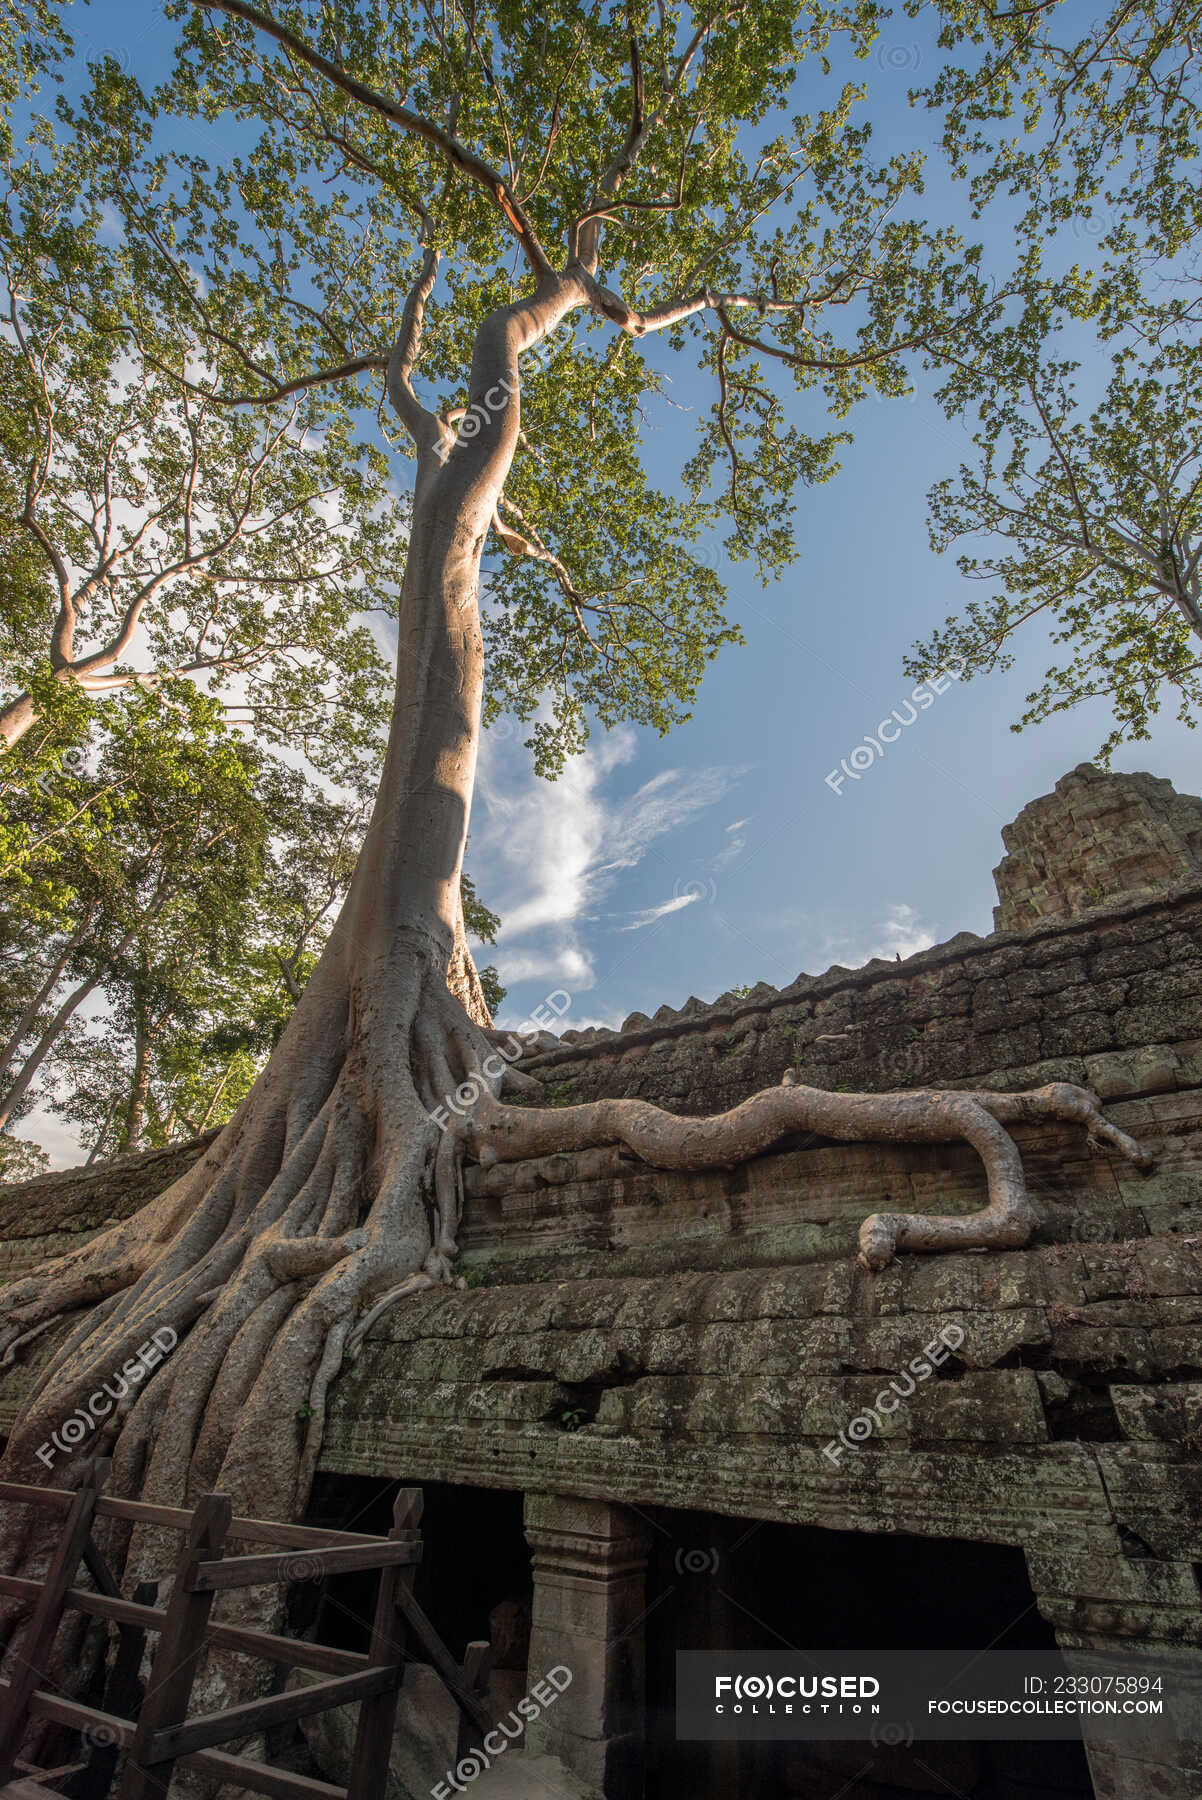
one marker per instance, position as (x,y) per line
(1095,837)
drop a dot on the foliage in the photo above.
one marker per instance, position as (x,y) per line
(130,870)
(1092,492)
(1092,120)
(193,881)
(483,925)
(1099,512)
(20,1158)
(157,533)
(263,296)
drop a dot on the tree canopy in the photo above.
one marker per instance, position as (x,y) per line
(1091,484)
(202,349)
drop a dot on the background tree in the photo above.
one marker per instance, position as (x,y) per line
(194,1011)
(1094,130)
(160,925)
(600,179)
(1092,120)
(1099,511)
(146,880)
(169,535)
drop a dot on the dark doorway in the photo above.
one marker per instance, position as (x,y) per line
(474,1580)
(719,1583)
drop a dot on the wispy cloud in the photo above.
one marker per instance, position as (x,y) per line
(550,852)
(901,933)
(732,851)
(652,913)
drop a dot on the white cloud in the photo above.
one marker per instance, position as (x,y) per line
(593,1022)
(59,1137)
(662,804)
(901,933)
(653,913)
(545,854)
(731,852)
(558,963)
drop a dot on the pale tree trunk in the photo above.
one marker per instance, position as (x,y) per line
(331,1186)
(16,719)
(94,1152)
(139,1087)
(25,1023)
(19,1087)
(463,977)
(23,1080)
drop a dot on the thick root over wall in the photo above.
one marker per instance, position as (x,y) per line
(332,1194)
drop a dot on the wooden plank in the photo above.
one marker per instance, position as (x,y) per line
(261,1778)
(298,1653)
(100,1606)
(141,1512)
(122,1690)
(45,1775)
(181,1642)
(61,1711)
(296,1537)
(23,1586)
(98,1569)
(244,1530)
(37,1640)
(57,1499)
(301,1565)
(377,1717)
(443,1661)
(257,1715)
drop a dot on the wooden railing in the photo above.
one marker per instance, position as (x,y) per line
(161,1735)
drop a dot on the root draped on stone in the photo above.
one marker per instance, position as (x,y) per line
(921,1115)
(332,1188)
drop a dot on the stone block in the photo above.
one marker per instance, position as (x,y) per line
(1166,1414)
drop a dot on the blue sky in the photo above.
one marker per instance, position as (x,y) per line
(734,808)
(659,869)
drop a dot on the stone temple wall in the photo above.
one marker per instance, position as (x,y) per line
(1095,837)
(1112,1001)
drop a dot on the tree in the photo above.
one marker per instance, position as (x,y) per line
(1094,125)
(484,926)
(151,892)
(195,1009)
(1095,497)
(1100,513)
(184,880)
(160,534)
(588,174)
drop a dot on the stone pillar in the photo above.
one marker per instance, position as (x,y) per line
(1148,1613)
(590,1561)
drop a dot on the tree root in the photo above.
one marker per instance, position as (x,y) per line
(921,1116)
(331,1192)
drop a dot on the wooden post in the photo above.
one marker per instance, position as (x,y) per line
(377,1716)
(38,1640)
(122,1691)
(477,1662)
(181,1645)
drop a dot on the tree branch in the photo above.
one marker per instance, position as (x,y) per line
(457,155)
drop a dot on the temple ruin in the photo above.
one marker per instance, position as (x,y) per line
(623,1415)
